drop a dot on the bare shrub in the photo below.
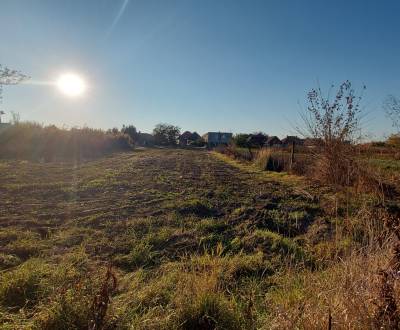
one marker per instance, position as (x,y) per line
(391,106)
(334,123)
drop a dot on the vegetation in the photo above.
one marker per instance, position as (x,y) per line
(392,108)
(26,140)
(10,77)
(166,134)
(169,238)
(131,131)
(195,242)
(394,140)
(240,140)
(335,123)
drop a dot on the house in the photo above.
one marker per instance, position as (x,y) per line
(3,125)
(184,138)
(217,138)
(196,136)
(257,140)
(187,138)
(273,141)
(290,140)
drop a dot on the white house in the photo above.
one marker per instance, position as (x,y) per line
(217,138)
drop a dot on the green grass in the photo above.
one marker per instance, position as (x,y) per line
(387,165)
(196,241)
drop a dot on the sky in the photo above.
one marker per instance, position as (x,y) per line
(204,65)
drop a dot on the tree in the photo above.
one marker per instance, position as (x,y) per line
(240,140)
(391,105)
(131,131)
(114,131)
(257,140)
(166,134)
(9,77)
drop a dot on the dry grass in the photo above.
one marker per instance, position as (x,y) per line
(348,291)
(37,142)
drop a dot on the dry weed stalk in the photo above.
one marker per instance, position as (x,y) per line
(102,300)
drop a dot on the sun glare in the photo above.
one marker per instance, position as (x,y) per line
(71,84)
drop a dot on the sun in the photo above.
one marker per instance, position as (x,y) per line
(71,84)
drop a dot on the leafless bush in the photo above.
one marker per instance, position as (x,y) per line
(391,106)
(334,123)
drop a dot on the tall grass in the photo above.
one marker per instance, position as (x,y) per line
(29,140)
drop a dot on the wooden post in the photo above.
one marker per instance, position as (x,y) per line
(329,320)
(292,155)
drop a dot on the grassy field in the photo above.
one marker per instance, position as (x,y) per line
(195,240)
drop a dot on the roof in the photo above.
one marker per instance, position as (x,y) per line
(196,136)
(291,139)
(222,133)
(189,136)
(274,139)
(185,135)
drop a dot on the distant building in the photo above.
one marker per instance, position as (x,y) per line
(188,138)
(184,138)
(195,136)
(273,141)
(313,142)
(257,140)
(289,140)
(217,138)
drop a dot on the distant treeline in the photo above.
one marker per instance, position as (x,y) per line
(27,140)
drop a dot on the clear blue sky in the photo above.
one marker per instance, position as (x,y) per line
(203,65)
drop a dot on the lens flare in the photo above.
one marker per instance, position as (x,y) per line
(71,85)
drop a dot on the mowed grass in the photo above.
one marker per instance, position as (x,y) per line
(195,241)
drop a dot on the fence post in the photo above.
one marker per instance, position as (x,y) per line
(292,155)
